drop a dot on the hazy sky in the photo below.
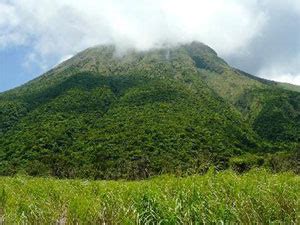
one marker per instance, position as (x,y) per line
(261,37)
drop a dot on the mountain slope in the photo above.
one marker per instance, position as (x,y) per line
(104,115)
(289,87)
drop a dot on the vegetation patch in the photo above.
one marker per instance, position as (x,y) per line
(255,197)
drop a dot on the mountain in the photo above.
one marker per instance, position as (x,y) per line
(290,87)
(104,114)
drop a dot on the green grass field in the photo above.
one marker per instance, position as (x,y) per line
(225,197)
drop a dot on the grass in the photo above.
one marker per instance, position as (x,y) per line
(255,197)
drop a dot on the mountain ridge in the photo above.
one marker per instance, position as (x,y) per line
(144,113)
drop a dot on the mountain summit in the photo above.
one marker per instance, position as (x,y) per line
(102,114)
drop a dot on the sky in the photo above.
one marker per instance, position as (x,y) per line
(261,37)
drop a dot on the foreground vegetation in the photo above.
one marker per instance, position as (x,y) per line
(254,197)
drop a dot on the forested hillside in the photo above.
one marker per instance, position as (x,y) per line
(179,110)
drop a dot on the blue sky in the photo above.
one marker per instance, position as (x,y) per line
(261,37)
(13,72)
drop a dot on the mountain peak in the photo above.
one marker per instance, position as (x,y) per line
(106,58)
(102,114)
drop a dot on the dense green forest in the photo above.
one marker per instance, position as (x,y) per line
(175,110)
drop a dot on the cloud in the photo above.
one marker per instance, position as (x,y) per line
(239,30)
(65,58)
(287,71)
(8,21)
(142,24)
(275,52)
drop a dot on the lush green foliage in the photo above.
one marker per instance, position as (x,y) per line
(255,197)
(274,113)
(290,87)
(177,110)
(131,128)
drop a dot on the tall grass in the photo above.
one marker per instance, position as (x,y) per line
(255,197)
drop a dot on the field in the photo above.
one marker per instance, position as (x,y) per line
(255,197)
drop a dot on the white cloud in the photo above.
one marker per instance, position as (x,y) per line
(64,58)
(283,71)
(287,78)
(62,27)
(56,28)
(278,75)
